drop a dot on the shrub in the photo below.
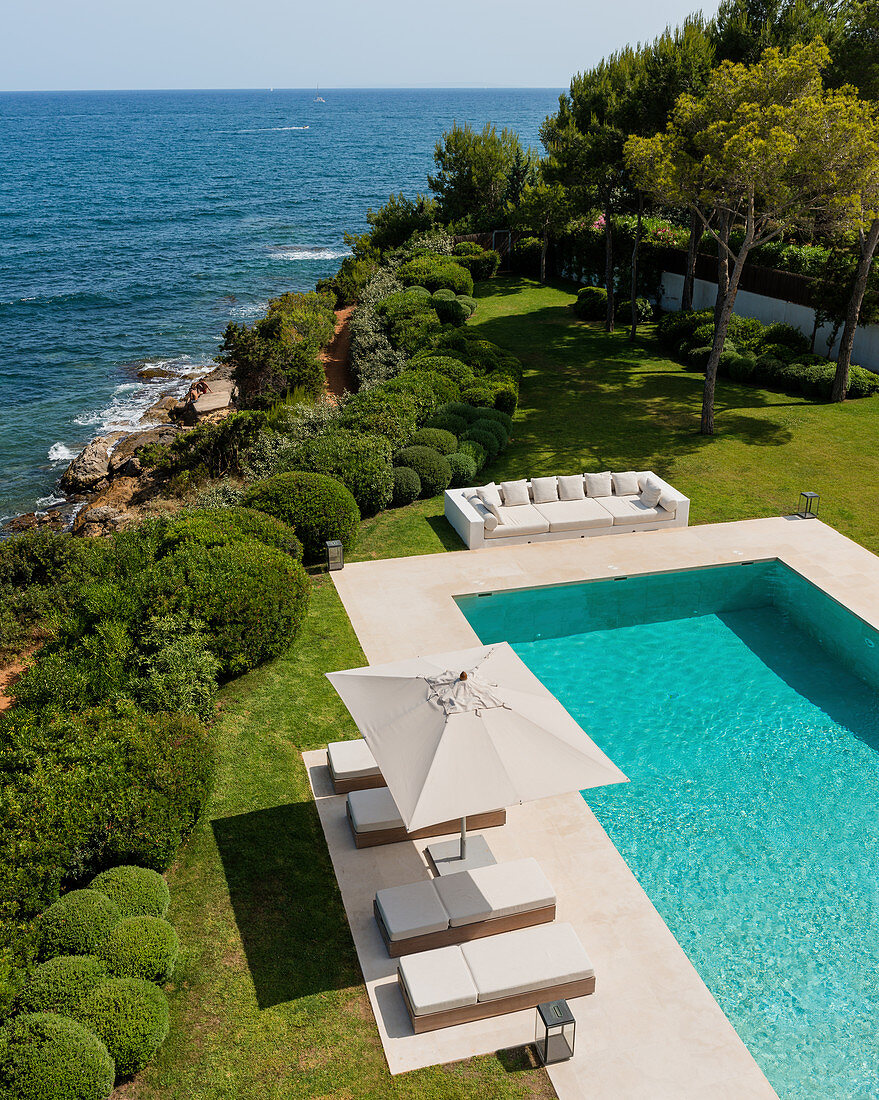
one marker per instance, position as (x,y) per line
(784,335)
(470,304)
(453,424)
(61,983)
(219,526)
(76,924)
(451,312)
(428,389)
(487,440)
(407,486)
(372,412)
(471,449)
(742,368)
(436,272)
(361,461)
(444,295)
(457,372)
(432,469)
(422,290)
(442,441)
(745,332)
(644,310)
(130,1017)
(410,321)
(698,358)
(467,248)
(591,304)
(141,947)
(862,383)
(673,327)
(466,412)
(317,507)
(463,468)
(138,891)
(777,351)
(485,265)
(485,424)
(495,414)
(44,1056)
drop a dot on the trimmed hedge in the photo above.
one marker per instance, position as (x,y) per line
(444,442)
(486,424)
(471,449)
(218,526)
(428,389)
(317,507)
(141,947)
(436,272)
(44,1056)
(62,983)
(448,423)
(591,304)
(463,468)
(432,469)
(481,265)
(488,440)
(138,891)
(410,321)
(130,1017)
(361,461)
(407,486)
(451,312)
(370,411)
(76,924)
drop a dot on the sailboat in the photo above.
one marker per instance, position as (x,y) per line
(318,98)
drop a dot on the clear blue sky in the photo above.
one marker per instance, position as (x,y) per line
(85,44)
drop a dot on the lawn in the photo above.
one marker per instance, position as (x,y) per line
(267,1001)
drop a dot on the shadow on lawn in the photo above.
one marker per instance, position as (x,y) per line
(287,908)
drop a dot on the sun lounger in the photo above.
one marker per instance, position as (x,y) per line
(494,976)
(375,819)
(465,906)
(352,766)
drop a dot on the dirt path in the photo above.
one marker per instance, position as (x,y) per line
(335,358)
(9,674)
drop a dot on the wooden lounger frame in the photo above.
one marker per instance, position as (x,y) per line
(393,836)
(484,1010)
(358,783)
(462,933)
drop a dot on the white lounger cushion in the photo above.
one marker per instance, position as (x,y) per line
(525,960)
(437,980)
(632,510)
(496,891)
(524,519)
(575,515)
(351,759)
(412,910)
(374,810)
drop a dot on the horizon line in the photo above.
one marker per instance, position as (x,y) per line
(309,89)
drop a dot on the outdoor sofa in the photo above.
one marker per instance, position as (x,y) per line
(352,766)
(566,507)
(493,976)
(374,819)
(467,905)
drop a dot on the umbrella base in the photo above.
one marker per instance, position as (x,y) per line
(445,857)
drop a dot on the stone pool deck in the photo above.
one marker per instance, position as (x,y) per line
(652,1027)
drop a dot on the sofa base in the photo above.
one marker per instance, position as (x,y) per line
(553,536)
(375,837)
(462,933)
(362,783)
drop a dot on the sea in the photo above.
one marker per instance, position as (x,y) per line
(135,225)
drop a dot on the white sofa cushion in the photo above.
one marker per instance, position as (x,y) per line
(490,521)
(626,484)
(573,515)
(544,489)
(627,510)
(525,960)
(668,502)
(351,759)
(524,519)
(497,891)
(412,910)
(373,810)
(571,487)
(515,493)
(651,490)
(489,495)
(598,485)
(437,980)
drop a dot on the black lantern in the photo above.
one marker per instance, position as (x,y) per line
(335,554)
(554,1032)
(808,506)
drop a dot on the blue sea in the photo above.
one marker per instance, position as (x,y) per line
(135,225)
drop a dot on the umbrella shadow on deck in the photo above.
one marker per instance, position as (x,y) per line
(286,902)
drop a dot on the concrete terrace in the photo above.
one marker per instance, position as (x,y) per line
(652,1027)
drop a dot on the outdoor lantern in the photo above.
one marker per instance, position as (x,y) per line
(808,506)
(335,554)
(554,1033)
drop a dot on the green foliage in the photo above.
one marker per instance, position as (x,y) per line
(487,424)
(697,358)
(76,924)
(410,321)
(448,423)
(470,304)
(407,486)
(399,219)
(643,310)
(467,248)
(785,335)
(433,471)
(591,304)
(428,389)
(371,412)
(361,461)
(862,383)
(436,273)
(61,984)
(348,282)
(214,450)
(471,449)
(463,467)
(481,265)
(451,312)
(141,947)
(474,169)
(444,295)
(130,1017)
(317,507)
(209,527)
(456,370)
(138,891)
(487,440)
(497,415)
(444,442)
(44,1056)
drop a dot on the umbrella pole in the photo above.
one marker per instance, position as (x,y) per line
(463,838)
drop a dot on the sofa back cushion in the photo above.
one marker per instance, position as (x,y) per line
(515,493)
(651,490)
(598,485)
(626,484)
(571,487)
(489,494)
(544,489)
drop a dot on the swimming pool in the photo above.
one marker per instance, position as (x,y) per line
(743,703)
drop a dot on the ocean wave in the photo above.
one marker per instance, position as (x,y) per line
(248,311)
(60,452)
(296,253)
(264,130)
(47,502)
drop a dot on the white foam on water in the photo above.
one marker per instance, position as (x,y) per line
(248,311)
(60,452)
(47,502)
(295,253)
(264,130)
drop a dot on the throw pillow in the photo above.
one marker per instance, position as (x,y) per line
(651,491)
(489,494)
(571,487)
(515,493)
(490,522)
(598,485)
(626,484)
(668,502)
(545,489)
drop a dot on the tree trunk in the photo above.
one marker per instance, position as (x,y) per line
(543,247)
(690,273)
(815,327)
(869,242)
(608,268)
(634,331)
(722,265)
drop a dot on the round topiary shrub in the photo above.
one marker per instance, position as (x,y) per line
(130,1017)
(468,303)
(463,469)
(432,469)
(488,441)
(422,290)
(317,507)
(373,411)
(450,311)
(454,424)
(484,424)
(60,984)
(444,295)
(591,304)
(458,408)
(218,526)
(456,370)
(862,382)
(407,486)
(697,359)
(361,461)
(428,389)
(44,1056)
(76,924)
(138,891)
(442,441)
(141,947)
(495,414)
(475,451)
(742,368)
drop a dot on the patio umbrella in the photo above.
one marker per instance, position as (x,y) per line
(468,732)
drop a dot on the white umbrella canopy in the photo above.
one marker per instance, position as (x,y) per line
(463,733)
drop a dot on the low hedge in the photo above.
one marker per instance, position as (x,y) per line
(436,272)
(432,469)
(76,924)
(451,312)
(487,440)
(428,389)
(44,1056)
(463,468)
(360,460)
(138,891)
(448,423)
(472,449)
(470,304)
(62,983)
(371,412)
(410,321)
(487,424)
(444,442)
(482,265)
(130,1017)
(217,526)
(591,304)
(141,947)
(407,486)
(317,507)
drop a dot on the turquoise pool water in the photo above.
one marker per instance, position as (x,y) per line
(742,703)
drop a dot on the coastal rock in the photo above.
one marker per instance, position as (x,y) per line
(125,460)
(160,411)
(51,521)
(89,467)
(151,373)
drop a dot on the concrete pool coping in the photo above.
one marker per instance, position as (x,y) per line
(652,1027)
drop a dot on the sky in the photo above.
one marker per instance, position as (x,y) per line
(117,44)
